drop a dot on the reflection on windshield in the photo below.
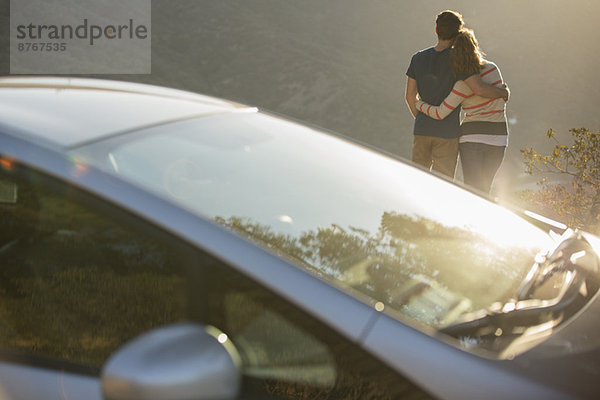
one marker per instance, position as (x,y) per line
(419,244)
(414,265)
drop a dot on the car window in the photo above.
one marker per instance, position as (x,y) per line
(79,278)
(312,197)
(76,283)
(289,355)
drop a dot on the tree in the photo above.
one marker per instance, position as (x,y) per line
(577,204)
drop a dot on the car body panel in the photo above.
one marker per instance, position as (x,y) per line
(446,374)
(27,382)
(571,355)
(72,111)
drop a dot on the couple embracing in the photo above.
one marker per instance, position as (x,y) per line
(440,81)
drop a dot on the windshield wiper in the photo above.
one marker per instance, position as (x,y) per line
(579,265)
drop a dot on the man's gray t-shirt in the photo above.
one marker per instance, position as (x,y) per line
(435,79)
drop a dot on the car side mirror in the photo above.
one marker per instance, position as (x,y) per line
(182,361)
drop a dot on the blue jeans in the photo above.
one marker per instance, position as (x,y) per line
(480,162)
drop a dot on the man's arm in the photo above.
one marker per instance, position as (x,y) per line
(480,88)
(453,100)
(411,95)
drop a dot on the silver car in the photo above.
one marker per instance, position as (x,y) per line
(159,244)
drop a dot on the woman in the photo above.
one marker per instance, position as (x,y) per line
(484,131)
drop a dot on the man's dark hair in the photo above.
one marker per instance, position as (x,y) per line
(447,24)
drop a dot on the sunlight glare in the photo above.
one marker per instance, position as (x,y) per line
(578,255)
(286,219)
(222,338)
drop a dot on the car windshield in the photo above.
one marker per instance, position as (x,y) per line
(425,249)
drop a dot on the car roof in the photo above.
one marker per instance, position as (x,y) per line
(65,112)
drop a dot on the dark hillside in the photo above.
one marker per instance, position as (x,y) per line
(341,63)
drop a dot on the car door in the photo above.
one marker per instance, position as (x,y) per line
(77,280)
(80,278)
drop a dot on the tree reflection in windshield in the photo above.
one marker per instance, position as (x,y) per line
(426,271)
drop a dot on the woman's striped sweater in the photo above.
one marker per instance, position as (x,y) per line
(482,116)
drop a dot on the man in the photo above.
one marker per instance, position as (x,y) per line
(435,144)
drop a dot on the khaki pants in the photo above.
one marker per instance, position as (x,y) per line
(437,154)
